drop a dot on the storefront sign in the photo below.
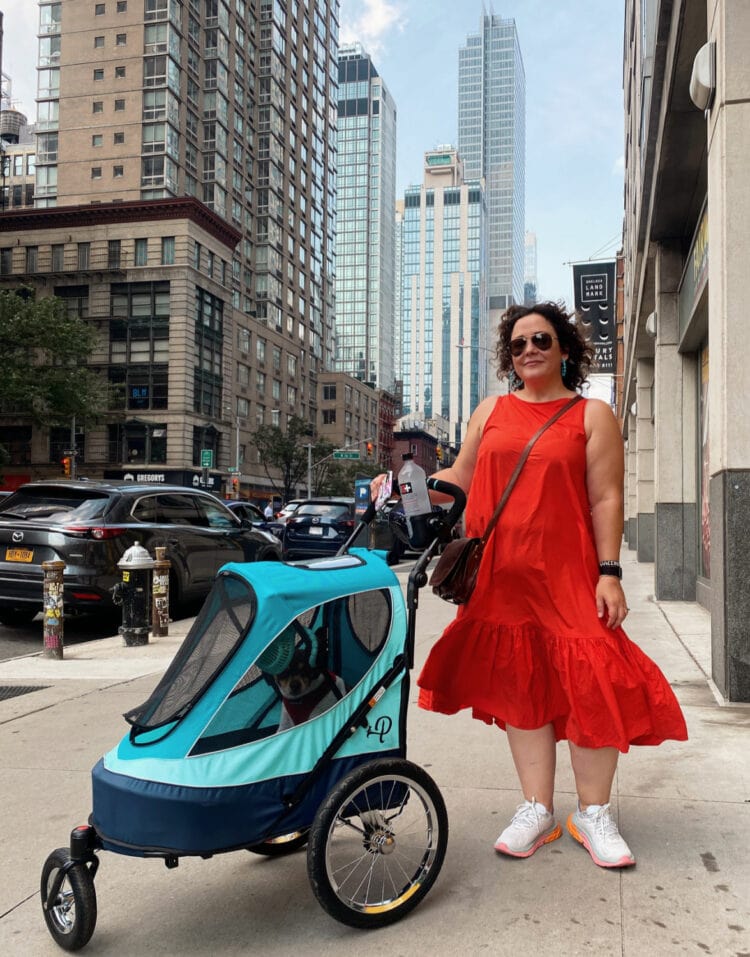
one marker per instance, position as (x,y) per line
(695,277)
(594,300)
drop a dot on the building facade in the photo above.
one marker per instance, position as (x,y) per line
(685,348)
(17,160)
(530,284)
(444,314)
(233,104)
(492,145)
(366,341)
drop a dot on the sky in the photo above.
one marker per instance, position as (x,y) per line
(572,55)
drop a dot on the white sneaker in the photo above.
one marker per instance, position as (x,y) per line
(596,829)
(532,826)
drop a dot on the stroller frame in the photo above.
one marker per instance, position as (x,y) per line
(348,804)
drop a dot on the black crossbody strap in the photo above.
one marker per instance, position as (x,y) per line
(520,464)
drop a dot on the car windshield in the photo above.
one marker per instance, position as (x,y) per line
(54,504)
(324,510)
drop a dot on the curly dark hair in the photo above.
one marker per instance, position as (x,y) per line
(571,339)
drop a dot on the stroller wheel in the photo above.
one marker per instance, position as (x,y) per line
(71,915)
(377,843)
(281,846)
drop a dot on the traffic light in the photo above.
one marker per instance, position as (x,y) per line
(439,453)
(369,449)
(65,463)
(235,483)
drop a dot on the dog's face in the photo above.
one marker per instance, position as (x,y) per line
(299,679)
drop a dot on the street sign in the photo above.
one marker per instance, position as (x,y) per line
(346,454)
(207,458)
(232,469)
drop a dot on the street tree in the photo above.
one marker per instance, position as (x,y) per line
(284,455)
(46,376)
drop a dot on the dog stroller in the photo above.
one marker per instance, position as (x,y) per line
(217,759)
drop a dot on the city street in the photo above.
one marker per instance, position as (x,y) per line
(683,807)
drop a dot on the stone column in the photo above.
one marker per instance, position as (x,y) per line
(631,461)
(729,350)
(645,459)
(675,464)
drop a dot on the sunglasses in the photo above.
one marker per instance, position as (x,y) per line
(540,340)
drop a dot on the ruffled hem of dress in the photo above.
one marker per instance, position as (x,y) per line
(597,691)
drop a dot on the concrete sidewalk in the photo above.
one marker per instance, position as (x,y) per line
(684,808)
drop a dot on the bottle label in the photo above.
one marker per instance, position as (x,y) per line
(405,488)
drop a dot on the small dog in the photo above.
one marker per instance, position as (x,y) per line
(306,689)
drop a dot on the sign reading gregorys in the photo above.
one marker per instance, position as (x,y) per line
(594,300)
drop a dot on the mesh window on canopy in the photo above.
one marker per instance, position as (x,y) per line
(223,621)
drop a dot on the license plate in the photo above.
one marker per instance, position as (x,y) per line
(316,530)
(19,555)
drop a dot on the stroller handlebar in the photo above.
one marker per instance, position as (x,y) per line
(456,493)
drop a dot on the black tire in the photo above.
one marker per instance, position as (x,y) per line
(72,918)
(17,617)
(394,810)
(281,846)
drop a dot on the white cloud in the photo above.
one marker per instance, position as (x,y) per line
(369,22)
(618,168)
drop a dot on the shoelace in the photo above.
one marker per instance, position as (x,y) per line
(605,823)
(526,815)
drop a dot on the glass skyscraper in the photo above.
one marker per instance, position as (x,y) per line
(492,145)
(444,318)
(365,240)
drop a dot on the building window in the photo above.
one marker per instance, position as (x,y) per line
(119,105)
(98,74)
(141,252)
(97,139)
(58,256)
(119,72)
(99,9)
(96,172)
(167,251)
(98,106)
(122,6)
(98,41)
(329,416)
(121,39)
(6,261)
(118,171)
(31,258)
(84,255)
(197,255)
(329,393)
(113,253)
(118,138)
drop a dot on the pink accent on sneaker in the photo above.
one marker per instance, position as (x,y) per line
(543,839)
(624,861)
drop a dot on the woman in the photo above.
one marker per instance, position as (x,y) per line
(538,649)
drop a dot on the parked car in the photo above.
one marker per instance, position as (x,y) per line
(289,509)
(318,527)
(255,516)
(90,524)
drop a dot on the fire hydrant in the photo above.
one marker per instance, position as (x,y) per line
(133,593)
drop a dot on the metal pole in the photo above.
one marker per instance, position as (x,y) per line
(73,448)
(53,608)
(237,456)
(309,469)
(160,594)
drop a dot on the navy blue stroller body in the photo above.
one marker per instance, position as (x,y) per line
(280,723)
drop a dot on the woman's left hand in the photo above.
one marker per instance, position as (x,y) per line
(610,601)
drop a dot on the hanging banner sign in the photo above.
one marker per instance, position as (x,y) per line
(594,299)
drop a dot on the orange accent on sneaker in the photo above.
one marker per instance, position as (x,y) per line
(544,839)
(582,839)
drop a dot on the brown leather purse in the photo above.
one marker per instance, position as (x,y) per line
(455,574)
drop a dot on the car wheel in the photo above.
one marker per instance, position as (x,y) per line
(17,617)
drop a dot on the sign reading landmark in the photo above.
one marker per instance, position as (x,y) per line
(594,299)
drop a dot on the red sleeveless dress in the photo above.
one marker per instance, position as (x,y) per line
(528,648)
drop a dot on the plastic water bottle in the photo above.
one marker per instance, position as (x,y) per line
(412,484)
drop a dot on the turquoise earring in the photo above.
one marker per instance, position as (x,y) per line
(514,381)
(564,368)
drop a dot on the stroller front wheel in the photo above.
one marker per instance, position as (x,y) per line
(71,914)
(377,843)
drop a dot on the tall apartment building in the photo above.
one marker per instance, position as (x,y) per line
(686,352)
(366,340)
(233,103)
(492,145)
(444,312)
(530,283)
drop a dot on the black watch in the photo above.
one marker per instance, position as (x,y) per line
(610,568)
